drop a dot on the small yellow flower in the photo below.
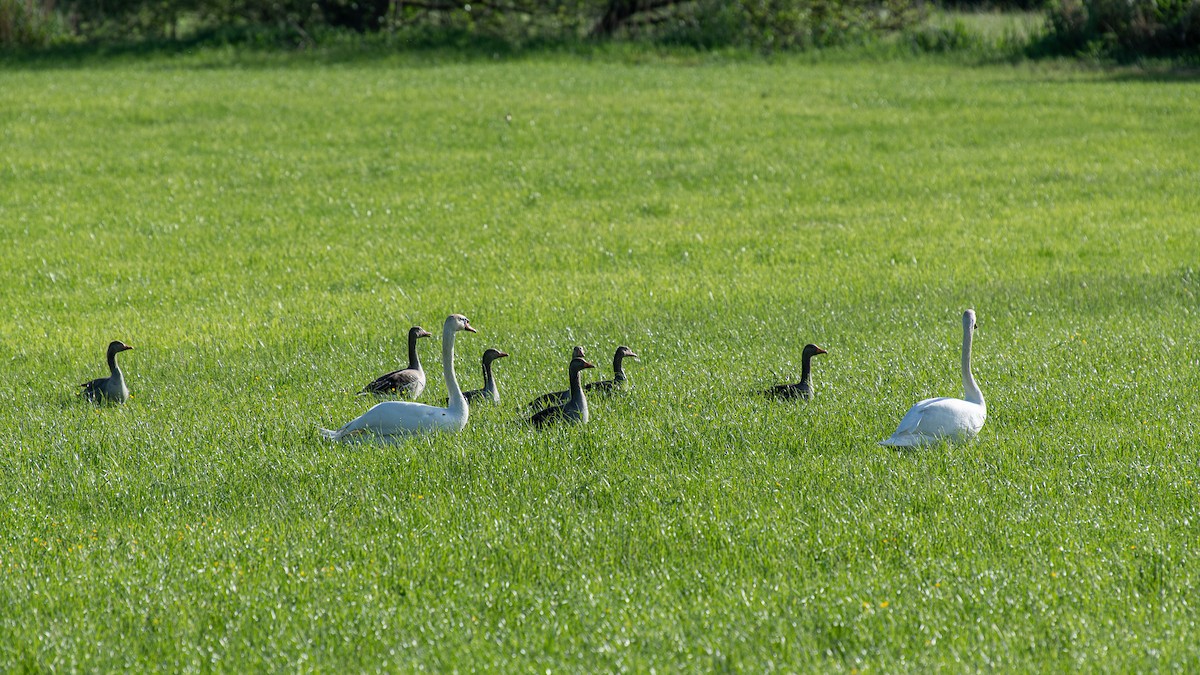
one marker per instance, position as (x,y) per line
(884,603)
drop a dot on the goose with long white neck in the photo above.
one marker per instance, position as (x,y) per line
(950,419)
(408,382)
(111,389)
(393,419)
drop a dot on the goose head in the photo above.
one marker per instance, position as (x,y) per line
(418,332)
(116,347)
(969,320)
(577,353)
(457,322)
(579,363)
(811,350)
(493,354)
(623,352)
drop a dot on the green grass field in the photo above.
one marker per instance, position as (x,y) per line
(264,231)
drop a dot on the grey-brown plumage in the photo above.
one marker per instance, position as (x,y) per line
(602,386)
(556,397)
(802,389)
(489,391)
(575,410)
(407,383)
(109,389)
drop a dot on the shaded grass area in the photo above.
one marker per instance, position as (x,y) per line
(265,236)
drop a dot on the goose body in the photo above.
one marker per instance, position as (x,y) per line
(408,382)
(802,389)
(618,382)
(391,420)
(575,410)
(111,389)
(951,419)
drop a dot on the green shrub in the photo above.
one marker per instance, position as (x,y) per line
(777,24)
(1125,28)
(955,37)
(25,23)
(763,24)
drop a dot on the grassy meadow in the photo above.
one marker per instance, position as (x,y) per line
(264,231)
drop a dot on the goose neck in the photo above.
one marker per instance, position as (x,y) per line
(414,362)
(577,397)
(456,399)
(489,383)
(806,369)
(619,368)
(113,368)
(971,390)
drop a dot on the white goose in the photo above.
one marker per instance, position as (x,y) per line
(951,419)
(391,419)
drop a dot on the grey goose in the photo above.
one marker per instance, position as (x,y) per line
(575,410)
(110,389)
(407,383)
(802,389)
(601,386)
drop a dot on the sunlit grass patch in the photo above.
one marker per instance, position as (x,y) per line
(265,236)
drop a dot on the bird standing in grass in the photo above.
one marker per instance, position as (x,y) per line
(618,382)
(392,419)
(575,410)
(489,392)
(944,418)
(407,383)
(802,389)
(109,389)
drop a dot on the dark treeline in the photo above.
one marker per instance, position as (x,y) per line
(1105,28)
(776,24)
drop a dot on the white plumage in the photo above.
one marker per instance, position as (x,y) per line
(944,418)
(391,419)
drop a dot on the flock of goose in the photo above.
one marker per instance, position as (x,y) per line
(929,421)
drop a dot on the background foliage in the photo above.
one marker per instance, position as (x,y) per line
(1125,28)
(768,24)
(27,23)
(1096,28)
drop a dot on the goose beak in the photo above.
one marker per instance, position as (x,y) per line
(469,328)
(633,356)
(821,351)
(424,333)
(588,364)
(502,355)
(126,347)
